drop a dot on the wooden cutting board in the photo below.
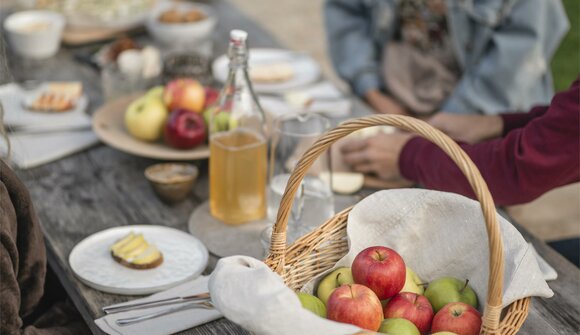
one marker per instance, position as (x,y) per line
(80,36)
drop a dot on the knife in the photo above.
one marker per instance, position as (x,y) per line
(155,303)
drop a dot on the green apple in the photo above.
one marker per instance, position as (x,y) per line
(398,326)
(444,290)
(145,118)
(413,283)
(312,304)
(222,120)
(332,281)
(444,333)
(156,93)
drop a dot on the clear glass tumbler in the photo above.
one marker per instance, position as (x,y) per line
(292,135)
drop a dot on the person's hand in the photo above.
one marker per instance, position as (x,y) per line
(468,128)
(384,104)
(378,155)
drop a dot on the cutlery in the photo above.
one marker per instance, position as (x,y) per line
(136,319)
(156,303)
(18,130)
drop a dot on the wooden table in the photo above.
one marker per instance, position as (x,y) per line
(102,188)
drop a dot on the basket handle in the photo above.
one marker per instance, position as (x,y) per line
(496,265)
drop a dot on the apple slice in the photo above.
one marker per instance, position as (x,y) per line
(344,182)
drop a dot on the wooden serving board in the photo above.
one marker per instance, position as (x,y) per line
(80,36)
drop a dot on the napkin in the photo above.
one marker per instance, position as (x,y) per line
(443,234)
(259,301)
(31,150)
(42,137)
(167,324)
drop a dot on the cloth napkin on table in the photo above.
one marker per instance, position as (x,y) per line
(31,150)
(37,140)
(167,324)
(259,301)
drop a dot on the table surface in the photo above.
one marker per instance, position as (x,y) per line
(102,188)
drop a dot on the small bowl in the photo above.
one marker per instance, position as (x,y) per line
(172,182)
(191,35)
(35,34)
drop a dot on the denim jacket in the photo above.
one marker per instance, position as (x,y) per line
(503,48)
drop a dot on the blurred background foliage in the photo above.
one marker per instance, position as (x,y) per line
(566,62)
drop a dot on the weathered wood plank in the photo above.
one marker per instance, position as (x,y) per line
(102,188)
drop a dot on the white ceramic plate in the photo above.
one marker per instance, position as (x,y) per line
(184,258)
(306,70)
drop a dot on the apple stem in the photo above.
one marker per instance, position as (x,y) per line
(351,293)
(337,277)
(379,254)
(466,282)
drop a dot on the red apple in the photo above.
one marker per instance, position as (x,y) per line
(357,305)
(457,317)
(211,95)
(184,94)
(184,129)
(413,307)
(381,269)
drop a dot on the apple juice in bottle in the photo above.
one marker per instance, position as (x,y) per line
(238,163)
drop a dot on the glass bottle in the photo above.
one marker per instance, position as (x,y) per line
(238,153)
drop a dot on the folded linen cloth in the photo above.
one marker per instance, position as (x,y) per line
(31,150)
(437,234)
(167,324)
(442,234)
(259,301)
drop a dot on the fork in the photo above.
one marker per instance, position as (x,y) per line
(136,319)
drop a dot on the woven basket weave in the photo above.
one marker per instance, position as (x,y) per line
(319,250)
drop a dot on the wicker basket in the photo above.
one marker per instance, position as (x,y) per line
(319,250)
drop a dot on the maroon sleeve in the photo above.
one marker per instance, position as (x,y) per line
(518,168)
(513,121)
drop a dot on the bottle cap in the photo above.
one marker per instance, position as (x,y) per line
(237,35)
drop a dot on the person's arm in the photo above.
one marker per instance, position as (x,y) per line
(477,128)
(511,121)
(516,62)
(528,162)
(353,52)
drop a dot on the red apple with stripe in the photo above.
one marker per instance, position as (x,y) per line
(357,305)
(381,269)
(413,307)
(459,318)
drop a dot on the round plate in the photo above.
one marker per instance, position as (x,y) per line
(306,70)
(184,258)
(109,125)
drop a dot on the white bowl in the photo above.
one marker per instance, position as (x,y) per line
(35,33)
(192,36)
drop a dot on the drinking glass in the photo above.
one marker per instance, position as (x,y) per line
(116,83)
(292,135)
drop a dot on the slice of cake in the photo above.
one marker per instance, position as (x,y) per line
(134,252)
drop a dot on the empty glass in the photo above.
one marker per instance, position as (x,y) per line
(292,135)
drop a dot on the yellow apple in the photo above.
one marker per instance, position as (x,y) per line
(312,304)
(156,92)
(333,281)
(412,283)
(145,118)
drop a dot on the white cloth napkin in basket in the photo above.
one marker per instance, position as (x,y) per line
(437,234)
(167,324)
